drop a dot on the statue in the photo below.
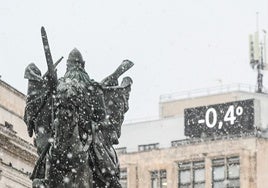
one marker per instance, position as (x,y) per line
(76,121)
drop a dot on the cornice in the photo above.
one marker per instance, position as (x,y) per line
(9,87)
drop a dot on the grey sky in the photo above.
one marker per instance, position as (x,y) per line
(175,45)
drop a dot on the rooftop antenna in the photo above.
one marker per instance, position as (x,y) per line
(257,21)
(257,51)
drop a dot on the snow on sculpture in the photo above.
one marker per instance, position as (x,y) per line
(76,121)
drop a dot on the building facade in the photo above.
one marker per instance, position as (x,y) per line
(160,152)
(231,153)
(17,153)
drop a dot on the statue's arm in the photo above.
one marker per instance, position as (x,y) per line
(36,96)
(98,104)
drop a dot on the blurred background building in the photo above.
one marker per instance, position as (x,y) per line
(205,138)
(213,137)
(17,154)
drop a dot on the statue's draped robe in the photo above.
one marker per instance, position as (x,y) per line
(38,113)
(78,103)
(102,154)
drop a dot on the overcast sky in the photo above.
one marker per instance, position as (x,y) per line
(175,44)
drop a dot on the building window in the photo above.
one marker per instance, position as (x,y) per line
(192,174)
(226,172)
(199,174)
(159,179)
(148,147)
(123,177)
(154,179)
(163,178)
(233,169)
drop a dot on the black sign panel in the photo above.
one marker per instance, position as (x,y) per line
(220,119)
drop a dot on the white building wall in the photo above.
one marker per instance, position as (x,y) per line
(171,126)
(17,155)
(11,178)
(161,131)
(12,104)
(18,124)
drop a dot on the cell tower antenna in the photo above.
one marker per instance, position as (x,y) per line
(257,21)
(258,54)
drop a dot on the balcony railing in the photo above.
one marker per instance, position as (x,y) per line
(208,91)
(177,143)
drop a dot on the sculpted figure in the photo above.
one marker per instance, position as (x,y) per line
(38,112)
(78,103)
(76,122)
(103,158)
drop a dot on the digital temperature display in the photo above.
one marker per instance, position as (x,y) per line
(220,119)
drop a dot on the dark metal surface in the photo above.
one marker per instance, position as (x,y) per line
(76,121)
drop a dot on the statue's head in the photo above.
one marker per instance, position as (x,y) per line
(32,73)
(75,59)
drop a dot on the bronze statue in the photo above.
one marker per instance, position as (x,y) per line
(76,121)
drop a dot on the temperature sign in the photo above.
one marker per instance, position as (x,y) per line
(220,119)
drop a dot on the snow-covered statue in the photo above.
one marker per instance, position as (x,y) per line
(76,122)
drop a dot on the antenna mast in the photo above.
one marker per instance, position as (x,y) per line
(258,54)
